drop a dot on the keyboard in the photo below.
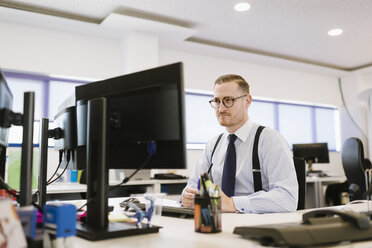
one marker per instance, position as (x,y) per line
(317,173)
(167,176)
(169,208)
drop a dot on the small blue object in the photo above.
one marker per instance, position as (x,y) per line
(151,148)
(140,215)
(74,176)
(61,218)
(27,216)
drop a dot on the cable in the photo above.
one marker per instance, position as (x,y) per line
(81,208)
(55,172)
(8,188)
(125,180)
(59,164)
(59,176)
(347,110)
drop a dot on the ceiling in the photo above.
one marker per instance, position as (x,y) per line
(294,30)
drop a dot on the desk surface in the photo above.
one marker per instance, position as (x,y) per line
(331,179)
(180,232)
(66,187)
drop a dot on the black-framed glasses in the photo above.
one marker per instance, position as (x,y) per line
(228,102)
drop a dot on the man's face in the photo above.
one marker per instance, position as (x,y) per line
(234,117)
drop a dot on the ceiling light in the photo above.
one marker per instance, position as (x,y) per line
(242,7)
(335,32)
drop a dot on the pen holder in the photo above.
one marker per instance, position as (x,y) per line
(207,214)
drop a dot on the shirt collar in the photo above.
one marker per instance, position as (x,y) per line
(243,132)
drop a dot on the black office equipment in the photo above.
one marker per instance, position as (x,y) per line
(141,107)
(168,176)
(43,162)
(319,227)
(312,153)
(300,165)
(6,103)
(128,122)
(353,163)
(65,138)
(26,120)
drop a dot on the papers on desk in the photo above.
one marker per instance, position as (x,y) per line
(119,217)
(171,203)
(171,207)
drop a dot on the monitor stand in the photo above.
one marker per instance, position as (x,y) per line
(97,226)
(25,190)
(113,230)
(310,171)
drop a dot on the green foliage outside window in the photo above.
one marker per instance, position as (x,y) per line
(14,168)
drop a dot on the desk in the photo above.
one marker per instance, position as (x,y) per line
(314,190)
(180,232)
(76,188)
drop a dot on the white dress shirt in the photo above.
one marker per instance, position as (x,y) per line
(279,181)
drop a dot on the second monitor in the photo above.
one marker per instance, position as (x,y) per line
(312,153)
(142,107)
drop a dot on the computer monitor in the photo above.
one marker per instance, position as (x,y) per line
(26,120)
(6,103)
(312,153)
(124,123)
(65,139)
(142,107)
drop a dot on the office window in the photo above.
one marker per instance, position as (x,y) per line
(326,127)
(201,121)
(59,91)
(263,113)
(295,123)
(20,85)
(298,123)
(16,132)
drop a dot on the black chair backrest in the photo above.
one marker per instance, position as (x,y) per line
(299,164)
(367,164)
(354,163)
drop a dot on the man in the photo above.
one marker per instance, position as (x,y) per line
(279,183)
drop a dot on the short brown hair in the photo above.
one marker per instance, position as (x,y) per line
(242,84)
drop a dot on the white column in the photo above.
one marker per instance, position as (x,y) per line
(352,85)
(366,95)
(139,51)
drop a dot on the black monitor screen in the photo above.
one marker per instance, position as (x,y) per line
(312,152)
(142,107)
(6,102)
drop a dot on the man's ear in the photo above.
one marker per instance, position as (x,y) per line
(248,99)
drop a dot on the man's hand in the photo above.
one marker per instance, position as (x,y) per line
(227,204)
(188,197)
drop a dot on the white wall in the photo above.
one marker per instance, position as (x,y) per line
(352,86)
(34,49)
(201,71)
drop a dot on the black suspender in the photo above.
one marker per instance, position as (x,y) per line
(214,148)
(256,168)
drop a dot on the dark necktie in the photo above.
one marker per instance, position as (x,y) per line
(229,169)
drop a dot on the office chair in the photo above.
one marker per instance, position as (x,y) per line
(300,167)
(367,164)
(353,163)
